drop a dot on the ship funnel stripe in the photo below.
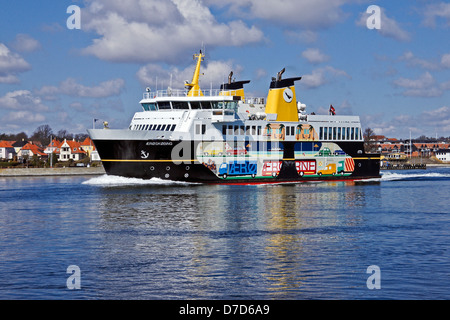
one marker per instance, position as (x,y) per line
(289,82)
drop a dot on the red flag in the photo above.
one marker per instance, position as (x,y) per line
(332,111)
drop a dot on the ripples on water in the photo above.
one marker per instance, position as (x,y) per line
(153,239)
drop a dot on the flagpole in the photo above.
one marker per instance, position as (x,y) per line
(51,151)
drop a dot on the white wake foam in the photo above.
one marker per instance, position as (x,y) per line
(395,176)
(117,181)
(389,176)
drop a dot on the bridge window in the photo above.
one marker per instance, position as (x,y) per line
(164,105)
(206,105)
(150,106)
(177,105)
(195,105)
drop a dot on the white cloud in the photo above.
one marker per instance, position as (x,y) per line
(389,27)
(414,61)
(425,81)
(23,117)
(25,43)
(427,122)
(22,99)
(104,89)
(437,120)
(424,86)
(322,76)
(215,72)
(445,60)
(147,31)
(70,87)
(308,14)
(314,56)
(432,64)
(434,11)
(11,64)
(24,108)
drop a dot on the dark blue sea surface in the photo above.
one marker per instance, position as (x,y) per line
(136,239)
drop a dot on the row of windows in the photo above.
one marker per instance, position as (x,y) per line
(340,133)
(68,156)
(185,105)
(161,127)
(325,133)
(241,130)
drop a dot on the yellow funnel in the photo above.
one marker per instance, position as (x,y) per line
(233,88)
(281,99)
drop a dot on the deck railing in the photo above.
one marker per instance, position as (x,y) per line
(184,93)
(206,93)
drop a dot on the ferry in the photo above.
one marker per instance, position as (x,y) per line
(222,136)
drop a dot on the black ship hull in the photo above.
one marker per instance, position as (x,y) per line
(182,161)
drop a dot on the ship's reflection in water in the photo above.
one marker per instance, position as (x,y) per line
(261,242)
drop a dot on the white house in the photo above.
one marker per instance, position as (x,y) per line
(7,151)
(70,149)
(443,155)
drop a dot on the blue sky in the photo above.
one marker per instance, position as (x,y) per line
(397,78)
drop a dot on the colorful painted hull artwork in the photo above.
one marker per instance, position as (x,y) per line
(265,159)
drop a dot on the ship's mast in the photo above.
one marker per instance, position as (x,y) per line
(194,90)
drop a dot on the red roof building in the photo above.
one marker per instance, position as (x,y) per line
(71,150)
(30,150)
(7,150)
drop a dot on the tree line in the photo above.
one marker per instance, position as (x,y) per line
(43,134)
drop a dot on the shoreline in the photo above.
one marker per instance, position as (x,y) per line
(34,172)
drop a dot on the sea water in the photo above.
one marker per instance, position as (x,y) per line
(111,237)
